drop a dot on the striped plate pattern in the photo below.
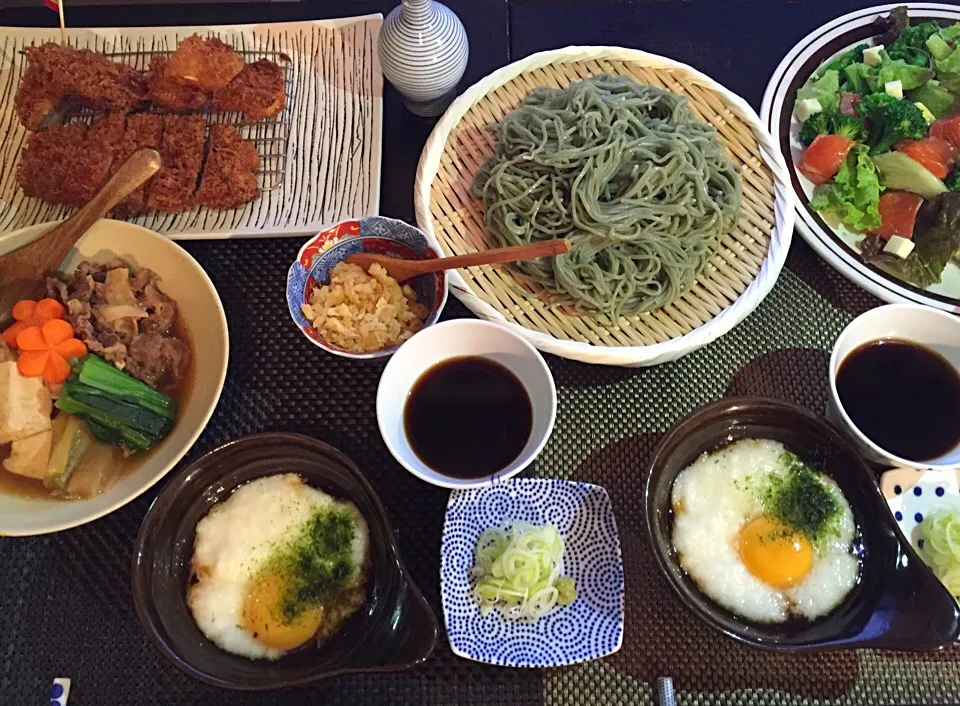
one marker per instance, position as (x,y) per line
(835,243)
(320,157)
(423,50)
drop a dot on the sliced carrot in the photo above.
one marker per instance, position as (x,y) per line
(71,348)
(49,309)
(57,369)
(31,364)
(31,339)
(24,310)
(10,334)
(56,331)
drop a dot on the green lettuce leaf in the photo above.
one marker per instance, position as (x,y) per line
(825,89)
(909,75)
(854,193)
(935,97)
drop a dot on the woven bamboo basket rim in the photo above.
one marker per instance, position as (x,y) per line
(741,273)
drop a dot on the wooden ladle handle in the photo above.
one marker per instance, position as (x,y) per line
(22,271)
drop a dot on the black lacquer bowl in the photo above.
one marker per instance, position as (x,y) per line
(897,604)
(393,630)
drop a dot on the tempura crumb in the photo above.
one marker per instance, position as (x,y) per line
(363,313)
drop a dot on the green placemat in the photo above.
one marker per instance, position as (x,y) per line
(608,425)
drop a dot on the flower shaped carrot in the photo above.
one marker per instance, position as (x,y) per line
(27,312)
(45,350)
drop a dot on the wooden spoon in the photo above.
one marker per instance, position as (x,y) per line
(22,271)
(402,270)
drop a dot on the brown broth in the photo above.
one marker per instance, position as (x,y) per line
(181,392)
(468,417)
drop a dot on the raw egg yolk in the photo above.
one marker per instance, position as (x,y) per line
(265,621)
(774,552)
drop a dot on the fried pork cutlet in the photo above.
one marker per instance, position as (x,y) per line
(182,152)
(207,64)
(68,164)
(169,93)
(90,78)
(230,175)
(37,97)
(143,130)
(258,91)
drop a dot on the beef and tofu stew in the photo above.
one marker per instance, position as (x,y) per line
(91,377)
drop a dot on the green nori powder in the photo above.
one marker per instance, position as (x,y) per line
(317,563)
(802,500)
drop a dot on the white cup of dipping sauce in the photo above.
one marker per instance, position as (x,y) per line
(929,328)
(464,338)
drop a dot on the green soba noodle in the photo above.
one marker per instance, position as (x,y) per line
(641,188)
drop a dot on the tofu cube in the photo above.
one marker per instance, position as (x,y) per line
(806,108)
(901,247)
(871,56)
(894,88)
(25,404)
(29,456)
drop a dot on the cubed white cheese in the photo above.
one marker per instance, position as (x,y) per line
(927,115)
(894,88)
(871,56)
(901,247)
(806,108)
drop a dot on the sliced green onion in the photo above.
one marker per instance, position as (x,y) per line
(517,571)
(940,531)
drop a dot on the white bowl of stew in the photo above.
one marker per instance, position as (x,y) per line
(29,508)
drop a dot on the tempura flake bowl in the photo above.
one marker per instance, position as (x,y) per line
(375,235)
(590,628)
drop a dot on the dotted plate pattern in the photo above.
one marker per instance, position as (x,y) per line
(911,494)
(590,628)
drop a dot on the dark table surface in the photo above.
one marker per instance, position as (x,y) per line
(66,607)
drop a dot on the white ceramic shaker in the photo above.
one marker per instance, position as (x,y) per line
(423,52)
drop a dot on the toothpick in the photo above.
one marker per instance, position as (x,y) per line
(63,26)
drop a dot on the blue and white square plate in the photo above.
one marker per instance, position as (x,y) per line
(589,628)
(911,494)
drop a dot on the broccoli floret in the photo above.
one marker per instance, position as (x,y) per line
(816,124)
(872,102)
(890,120)
(952,181)
(832,123)
(854,56)
(849,126)
(911,45)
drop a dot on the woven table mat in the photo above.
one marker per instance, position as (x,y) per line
(65,606)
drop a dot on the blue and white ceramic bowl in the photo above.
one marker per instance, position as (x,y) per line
(589,628)
(373,234)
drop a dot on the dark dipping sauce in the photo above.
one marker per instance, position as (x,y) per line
(903,397)
(468,417)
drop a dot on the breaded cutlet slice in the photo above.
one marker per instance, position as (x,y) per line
(90,78)
(169,93)
(230,175)
(207,64)
(258,91)
(181,149)
(69,163)
(37,96)
(143,130)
